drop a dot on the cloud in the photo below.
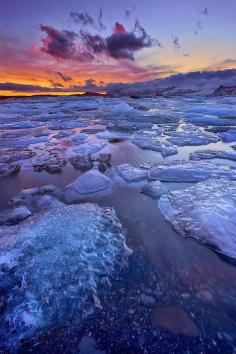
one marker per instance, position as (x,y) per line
(85,19)
(121,44)
(176,43)
(63,45)
(60,44)
(100,20)
(63,76)
(130,11)
(82,18)
(227,63)
(119,28)
(205,11)
(11,86)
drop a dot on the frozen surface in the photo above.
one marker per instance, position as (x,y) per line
(154,189)
(130,173)
(52,266)
(205,211)
(88,183)
(148,142)
(190,135)
(212,154)
(190,171)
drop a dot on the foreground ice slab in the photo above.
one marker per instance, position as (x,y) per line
(206,211)
(51,267)
(190,171)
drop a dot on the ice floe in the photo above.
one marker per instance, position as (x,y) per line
(51,268)
(149,142)
(89,183)
(229,136)
(130,173)
(205,211)
(190,171)
(212,154)
(154,189)
(188,134)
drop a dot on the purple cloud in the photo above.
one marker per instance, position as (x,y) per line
(63,76)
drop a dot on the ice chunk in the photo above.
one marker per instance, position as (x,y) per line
(191,135)
(77,138)
(57,260)
(206,211)
(112,135)
(154,189)
(190,171)
(130,173)
(229,136)
(91,182)
(89,148)
(212,154)
(148,142)
(215,111)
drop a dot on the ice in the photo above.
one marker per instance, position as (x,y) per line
(124,108)
(89,183)
(112,135)
(130,173)
(148,142)
(55,264)
(206,211)
(89,148)
(79,137)
(154,189)
(215,111)
(190,171)
(212,154)
(229,136)
(206,119)
(188,134)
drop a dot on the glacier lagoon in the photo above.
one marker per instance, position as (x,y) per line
(92,257)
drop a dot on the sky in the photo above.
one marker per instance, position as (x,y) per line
(69,46)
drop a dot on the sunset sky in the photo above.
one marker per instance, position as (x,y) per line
(78,45)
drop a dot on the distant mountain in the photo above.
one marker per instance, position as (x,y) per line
(190,84)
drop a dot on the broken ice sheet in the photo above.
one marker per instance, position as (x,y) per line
(51,266)
(205,211)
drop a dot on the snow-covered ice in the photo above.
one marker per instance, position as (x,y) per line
(205,211)
(154,189)
(130,173)
(53,265)
(89,183)
(188,134)
(190,171)
(212,154)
